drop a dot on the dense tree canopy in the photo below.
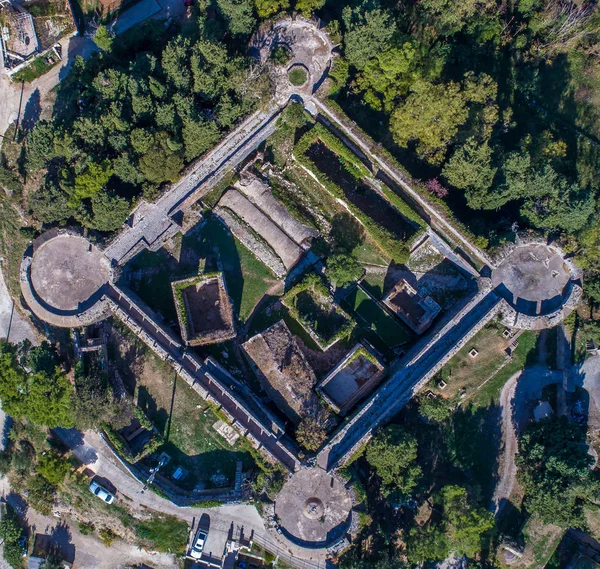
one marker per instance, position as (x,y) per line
(136,112)
(44,397)
(554,469)
(393,454)
(460,531)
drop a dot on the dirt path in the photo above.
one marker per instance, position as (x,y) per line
(507,468)
(516,396)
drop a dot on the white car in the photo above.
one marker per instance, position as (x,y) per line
(101,492)
(198,545)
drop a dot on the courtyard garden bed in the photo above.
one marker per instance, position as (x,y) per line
(393,226)
(375,318)
(312,305)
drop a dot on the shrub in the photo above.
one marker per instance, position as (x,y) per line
(107,536)
(310,433)
(280,55)
(86,528)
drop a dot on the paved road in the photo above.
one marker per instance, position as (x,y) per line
(10,92)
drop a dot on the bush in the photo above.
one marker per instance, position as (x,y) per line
(343,269)
(280,55)
(86,528)
(310,433)
(434,408)
(107,536)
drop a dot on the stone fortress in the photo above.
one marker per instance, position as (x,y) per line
(69,282)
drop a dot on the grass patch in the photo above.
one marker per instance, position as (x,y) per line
(164,533)
(192,441)
(491,390)
(38,67)
(298,76)
(463,372)
(376,318)
(247,278)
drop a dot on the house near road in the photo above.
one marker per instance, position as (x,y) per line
(29,32)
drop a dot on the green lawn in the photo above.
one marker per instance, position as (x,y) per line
(490,392)
(192,441)
(376,318)
(247,278)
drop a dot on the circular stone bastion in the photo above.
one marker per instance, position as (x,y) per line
(62,280)
(313,508)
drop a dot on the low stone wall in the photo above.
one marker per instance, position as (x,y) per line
(283,246)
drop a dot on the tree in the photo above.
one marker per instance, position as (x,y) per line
(103,38)
(430,118)
(42,358)
(109,211)
(342,269)
(448,17)
(307,7)
(310,433)
(39,145)
(44,398)
(470,169)
(198,137)
(393,454)
(459,532)
(161,163)
(53,467)
(387,75)
(568,208)
(10,533)
(368,32)
(267,8)
(51,204)
(554,470)
(239,16)
(435,409)
(464,525)
(40,494)
(88,184)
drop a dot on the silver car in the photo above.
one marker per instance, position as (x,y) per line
(102,493)
(198,545)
